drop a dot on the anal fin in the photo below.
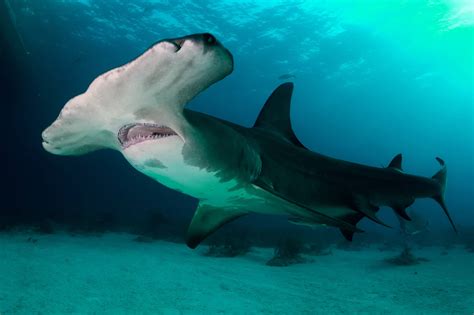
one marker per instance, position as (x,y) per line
(347,234)
(401,211)
(208,219)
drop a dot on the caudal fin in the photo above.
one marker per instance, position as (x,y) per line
(440,177)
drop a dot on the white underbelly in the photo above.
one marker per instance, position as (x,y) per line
(165,164)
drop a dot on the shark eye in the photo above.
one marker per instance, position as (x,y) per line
(209,39)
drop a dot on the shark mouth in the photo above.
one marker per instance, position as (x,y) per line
(132,134)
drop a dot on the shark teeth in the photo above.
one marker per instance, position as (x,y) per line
(132,134)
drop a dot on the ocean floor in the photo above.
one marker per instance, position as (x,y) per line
(111,274)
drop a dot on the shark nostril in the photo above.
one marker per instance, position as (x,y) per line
(46,139)
(177,43)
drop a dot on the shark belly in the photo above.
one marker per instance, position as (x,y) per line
(170,168)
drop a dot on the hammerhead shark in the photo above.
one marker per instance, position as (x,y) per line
(138,110)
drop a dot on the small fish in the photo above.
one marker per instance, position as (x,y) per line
(286,76)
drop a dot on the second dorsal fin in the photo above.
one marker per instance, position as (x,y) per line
(275,114)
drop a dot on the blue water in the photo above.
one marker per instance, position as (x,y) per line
(366,87)
(372,79)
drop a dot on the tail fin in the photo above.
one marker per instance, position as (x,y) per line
(440,177)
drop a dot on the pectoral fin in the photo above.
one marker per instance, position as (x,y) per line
(208,219)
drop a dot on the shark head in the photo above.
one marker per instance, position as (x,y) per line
(140,102)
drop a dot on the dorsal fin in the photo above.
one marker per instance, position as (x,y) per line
(275,114)
(396,162)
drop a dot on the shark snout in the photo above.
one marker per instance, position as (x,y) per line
(47,138)
(76,138)
(49,143)
(53,141)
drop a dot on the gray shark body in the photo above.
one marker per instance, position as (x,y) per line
(138,109)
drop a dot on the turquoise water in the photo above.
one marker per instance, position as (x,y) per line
(372,79)
(370,76)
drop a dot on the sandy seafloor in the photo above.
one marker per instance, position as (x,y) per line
(63,274)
